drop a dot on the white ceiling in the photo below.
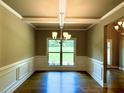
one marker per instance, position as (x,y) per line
(80,14)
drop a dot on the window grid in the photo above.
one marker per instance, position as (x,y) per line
(69,54)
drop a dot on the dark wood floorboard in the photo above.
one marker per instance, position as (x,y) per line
(115,79)
(71,82)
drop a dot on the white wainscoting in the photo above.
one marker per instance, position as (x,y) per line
(95,69)
(83,63)
(13,75)
(121,68)
(41,64)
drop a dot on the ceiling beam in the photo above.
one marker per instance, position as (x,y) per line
(49,29)
(81,20)
(56,29)
(40,20)
(67,20)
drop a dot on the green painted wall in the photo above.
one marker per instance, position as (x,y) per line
(95,39)
(16,38)
(41,42)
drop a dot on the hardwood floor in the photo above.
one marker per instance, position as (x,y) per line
(115,79)
(70,82)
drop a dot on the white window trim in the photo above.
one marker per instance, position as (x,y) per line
(61,65)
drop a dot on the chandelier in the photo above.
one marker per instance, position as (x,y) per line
(119,25)
(63,35)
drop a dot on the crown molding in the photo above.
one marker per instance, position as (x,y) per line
(112,11)
(33,26)
(90,26)
(10,9)
(85,29)
(56,29)
(47,29)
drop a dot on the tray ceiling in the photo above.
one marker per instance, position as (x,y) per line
(77,10)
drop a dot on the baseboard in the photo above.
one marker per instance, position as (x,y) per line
(20,82)
(112,67)
(40,71)
(100,82)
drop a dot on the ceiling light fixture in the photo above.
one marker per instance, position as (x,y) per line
(120,25)
(63,35)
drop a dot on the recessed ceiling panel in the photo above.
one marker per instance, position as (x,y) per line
(74,8)
(77,9)
(76,26)
(45,8)
(90,8)
(46,25)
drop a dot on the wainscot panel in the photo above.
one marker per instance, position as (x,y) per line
(13,75)
(41,64)
(95,69)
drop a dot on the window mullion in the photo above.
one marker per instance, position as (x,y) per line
(61,53)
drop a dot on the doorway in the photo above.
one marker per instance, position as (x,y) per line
(113,49)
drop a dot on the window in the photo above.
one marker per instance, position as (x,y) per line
(109,51)
(61,55)
(54,52)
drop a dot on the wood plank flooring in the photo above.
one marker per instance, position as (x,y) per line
(115,79)
(70,82)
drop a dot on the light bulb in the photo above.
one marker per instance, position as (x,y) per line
(123,25)
(54,35)
(65,34)
(116,27)
(69,36)
(120,23)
